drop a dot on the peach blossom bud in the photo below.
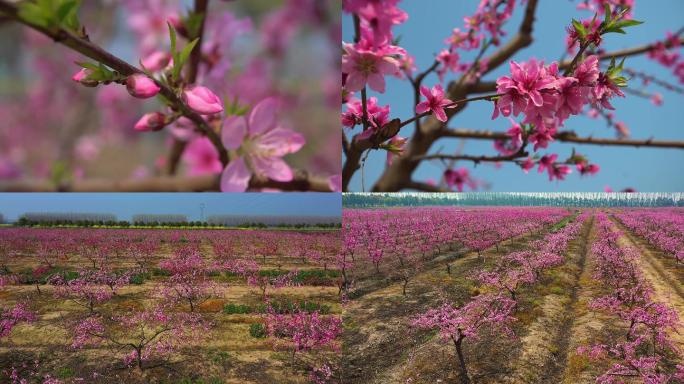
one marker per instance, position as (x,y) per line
(151,122)
(156,61)
(202,100)
(82,77)
(141,86)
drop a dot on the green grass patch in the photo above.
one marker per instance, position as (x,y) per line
(65,373)
(230,309)
(257,331)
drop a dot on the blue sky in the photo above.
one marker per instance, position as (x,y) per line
(124,205)
(430,22)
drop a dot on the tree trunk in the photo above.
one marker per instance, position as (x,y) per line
(461,360)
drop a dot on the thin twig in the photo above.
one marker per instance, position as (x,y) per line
(450,105)
(566,137)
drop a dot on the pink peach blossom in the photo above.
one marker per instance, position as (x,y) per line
(260,142)
(202,158)
(436,102)
(364,66)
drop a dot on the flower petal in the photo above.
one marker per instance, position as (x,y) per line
(440,115)
(281,141)
(422,107)
(263,116)
(233,132)
(376,82)
(235,178)
(273,167)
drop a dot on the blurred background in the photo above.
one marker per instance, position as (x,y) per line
(52,128)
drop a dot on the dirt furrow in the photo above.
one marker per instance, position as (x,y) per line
(655,261)
(545,347)
(584,327)
(665,288)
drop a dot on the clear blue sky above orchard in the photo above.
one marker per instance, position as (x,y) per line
(124,205)
(430,22)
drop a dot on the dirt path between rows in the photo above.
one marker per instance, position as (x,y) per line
(585,326)
(666,289)
(545,346)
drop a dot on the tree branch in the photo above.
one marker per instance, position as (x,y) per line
(301,182)
(477,159)
(425,187)
(566,137)
(357,146)
(95,52)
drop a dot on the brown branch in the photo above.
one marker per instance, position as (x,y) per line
(95,52)
(178,146)
(424,187)
(566,137)
(631,51)
(357,146)
(301,182)
(345,144)
(478,159)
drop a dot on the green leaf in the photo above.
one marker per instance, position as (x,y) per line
(66,9)
(608,14)
(627,23)
(35,14)
(579,27)
(615,30)
(91,66)
(622,64)
(174,53)
(185,53)
(51,14)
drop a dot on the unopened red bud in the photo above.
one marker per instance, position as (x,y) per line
(151,122)
(141,86)
(82,77)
